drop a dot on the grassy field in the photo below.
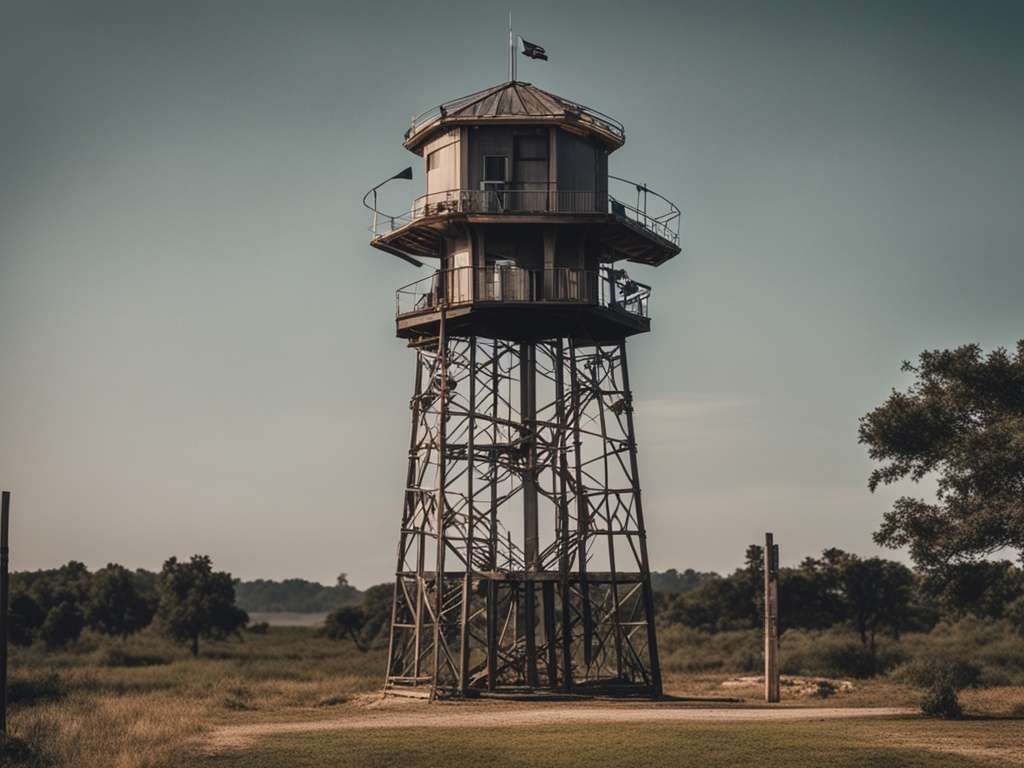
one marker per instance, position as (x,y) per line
(147,704)
(658,745)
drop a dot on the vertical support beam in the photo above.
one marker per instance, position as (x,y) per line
(531,540)
(528,435)
(492,633)
(605,448)
(582,511)
(5,517)
(771,619)
(553,288)
(562,468)
(440,511)
(550,633)
(408,511)
(467,578)
(645,566)
(492,586)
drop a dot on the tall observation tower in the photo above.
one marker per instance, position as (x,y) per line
(522,552)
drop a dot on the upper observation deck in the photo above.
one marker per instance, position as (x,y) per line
(524,220)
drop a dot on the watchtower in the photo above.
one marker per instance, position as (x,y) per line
(522,556)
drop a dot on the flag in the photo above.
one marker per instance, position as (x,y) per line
(532,50)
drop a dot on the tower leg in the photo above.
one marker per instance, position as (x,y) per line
(539,437)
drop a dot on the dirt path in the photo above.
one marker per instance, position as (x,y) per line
(418,714)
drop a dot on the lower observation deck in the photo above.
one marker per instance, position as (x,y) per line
(517,304)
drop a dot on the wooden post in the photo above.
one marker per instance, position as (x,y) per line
(5,516)
(771,620)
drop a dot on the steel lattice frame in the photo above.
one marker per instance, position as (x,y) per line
(535,577)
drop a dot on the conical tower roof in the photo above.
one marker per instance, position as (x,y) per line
(515,102)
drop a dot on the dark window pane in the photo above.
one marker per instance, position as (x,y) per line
(495,168)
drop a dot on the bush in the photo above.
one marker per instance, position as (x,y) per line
(36,689)
(684,649)
(16,752)
(346,621)
(941,679)
(119,657)
(258,628)
(833,653)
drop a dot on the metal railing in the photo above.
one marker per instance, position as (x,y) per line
(515,285)
(533,198)
(651,211)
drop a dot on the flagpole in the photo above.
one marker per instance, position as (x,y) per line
(511,51)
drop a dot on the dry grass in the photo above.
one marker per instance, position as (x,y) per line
(109,704)
(146,703)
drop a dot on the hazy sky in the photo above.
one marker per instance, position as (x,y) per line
(197,348)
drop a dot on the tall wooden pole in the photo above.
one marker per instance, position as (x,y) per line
(771,619)
(5,516)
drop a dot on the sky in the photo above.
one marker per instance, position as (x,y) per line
(197,348)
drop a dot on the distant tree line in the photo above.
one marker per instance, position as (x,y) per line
(871,596)
(187,600)
(295,595)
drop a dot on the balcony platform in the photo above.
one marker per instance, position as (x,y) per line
(523,305)
(524,322)
(627,232)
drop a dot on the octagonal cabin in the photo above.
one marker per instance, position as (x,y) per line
(518,213)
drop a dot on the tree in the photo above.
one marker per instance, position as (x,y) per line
(196,601)
(26,616)
(63,624)
(877,595)
(963,421)
(346,621)
(116,607)
(49,604)
(984,590)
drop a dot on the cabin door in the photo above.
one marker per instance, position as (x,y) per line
(530,177)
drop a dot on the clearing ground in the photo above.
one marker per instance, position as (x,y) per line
(487,714)
(370,731)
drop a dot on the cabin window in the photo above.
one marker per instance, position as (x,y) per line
(495,168)
(434,160)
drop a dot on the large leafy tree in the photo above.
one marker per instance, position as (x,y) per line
(49,605)
(961,421)
(116,606)
(196,601)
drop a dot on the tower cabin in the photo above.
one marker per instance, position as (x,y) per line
(526,232)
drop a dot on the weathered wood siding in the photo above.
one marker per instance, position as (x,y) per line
(443,153)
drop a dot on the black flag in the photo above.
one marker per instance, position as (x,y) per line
(532,50)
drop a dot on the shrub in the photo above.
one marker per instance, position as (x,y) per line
(36,689)
(941,680)
(16,752)
(685,649)
(346,621)
(833,653)
(119,657)
(258,628)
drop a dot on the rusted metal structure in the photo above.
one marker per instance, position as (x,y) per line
(522,558)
